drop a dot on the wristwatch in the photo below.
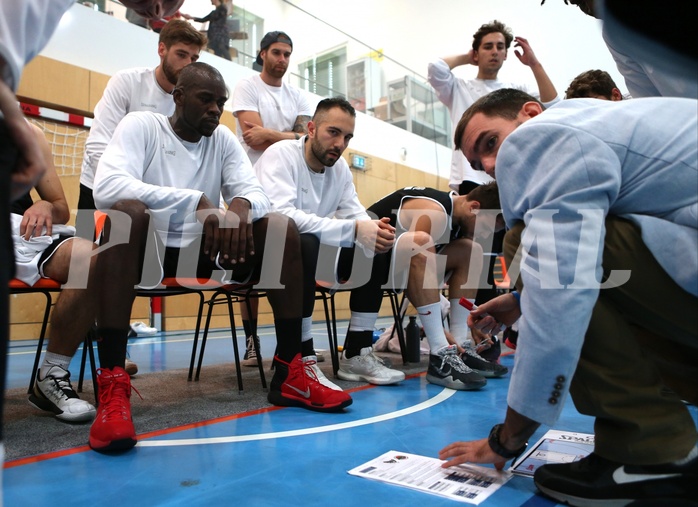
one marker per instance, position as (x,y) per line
(497,447)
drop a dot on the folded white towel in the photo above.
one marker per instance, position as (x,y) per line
(28,251)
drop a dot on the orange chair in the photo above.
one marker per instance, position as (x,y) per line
(501,278)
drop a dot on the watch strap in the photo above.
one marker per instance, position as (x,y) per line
(497,447)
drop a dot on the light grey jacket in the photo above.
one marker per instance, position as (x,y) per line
(636,159)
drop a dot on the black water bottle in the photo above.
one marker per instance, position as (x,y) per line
(412,339)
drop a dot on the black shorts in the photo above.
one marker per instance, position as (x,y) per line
(48,253)
(205,268)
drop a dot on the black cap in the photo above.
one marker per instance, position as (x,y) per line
(269,39)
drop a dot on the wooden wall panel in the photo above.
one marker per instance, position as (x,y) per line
(408,177)
(98,82)
(228,120)
(49,82)
(26,312)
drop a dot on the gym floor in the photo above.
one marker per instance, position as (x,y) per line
(252,453)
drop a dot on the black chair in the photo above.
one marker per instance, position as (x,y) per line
(327,293)
(228,294)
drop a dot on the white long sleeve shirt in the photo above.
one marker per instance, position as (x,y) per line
(324,204)
(128,90)
(147,161)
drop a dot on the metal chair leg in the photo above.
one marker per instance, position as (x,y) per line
(234,337)
(256,345)
(210,303)
(42,336)
(398,325)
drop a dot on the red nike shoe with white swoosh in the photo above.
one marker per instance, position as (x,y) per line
(295,385)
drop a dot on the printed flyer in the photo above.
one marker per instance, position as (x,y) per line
(465,483)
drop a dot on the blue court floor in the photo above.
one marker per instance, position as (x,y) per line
(273,456)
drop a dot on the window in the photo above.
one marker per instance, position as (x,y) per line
(325,74)
(246,32)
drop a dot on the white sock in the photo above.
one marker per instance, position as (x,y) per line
(459,319)
(362,321)
(307,329)
(53,359)
(430,318)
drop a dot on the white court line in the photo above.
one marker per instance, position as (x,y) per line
(439,398)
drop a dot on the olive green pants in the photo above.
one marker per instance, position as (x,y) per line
(640,355)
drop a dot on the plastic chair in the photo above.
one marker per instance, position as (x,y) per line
(228,294)
(501,278)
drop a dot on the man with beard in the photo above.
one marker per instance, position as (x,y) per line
(167,176)
(308,180)
(267,110)
(138,89)
(601,202)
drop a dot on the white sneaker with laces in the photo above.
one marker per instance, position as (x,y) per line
(369,368)
(130,367)
(55,394)
(140,328)
(311,362)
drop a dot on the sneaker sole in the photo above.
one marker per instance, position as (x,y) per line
(249,362)
(586,502)
(490,373)
(455,384)
(355,377)
(123,444)
(47,406)
(278,399)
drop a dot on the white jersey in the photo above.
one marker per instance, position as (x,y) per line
(324,204)
(458,95)
(147,161)
(278,106)
(128,90)
(25,28)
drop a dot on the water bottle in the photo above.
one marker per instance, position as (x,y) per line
(377,334)
(412,339)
